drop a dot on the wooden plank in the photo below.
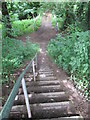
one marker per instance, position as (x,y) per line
(46,110)
(42,98)
(42,83)
(43,89)
(47,78)
(39,83)
(66,118)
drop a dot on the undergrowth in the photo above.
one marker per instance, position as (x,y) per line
(71,53)
(58,20)
(14,53)
(21,27)
(0,26)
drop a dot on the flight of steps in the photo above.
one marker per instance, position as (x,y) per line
(48,100)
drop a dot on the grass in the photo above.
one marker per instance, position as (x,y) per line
(21,27)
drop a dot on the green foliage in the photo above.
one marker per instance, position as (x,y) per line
(22,10)
(59,20)
(0,26)
(46,7)
(21,27)
(71,53)
(14,53)
(70,13)
(24,26)
(52,20)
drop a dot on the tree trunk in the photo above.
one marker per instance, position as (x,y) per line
(6,19)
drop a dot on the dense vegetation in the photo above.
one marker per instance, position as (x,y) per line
(21,27)
(23,10)
(71,53)
(70,49)
(14,53)
(18,19)
(70,15)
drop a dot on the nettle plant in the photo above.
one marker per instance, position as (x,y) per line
(71,53)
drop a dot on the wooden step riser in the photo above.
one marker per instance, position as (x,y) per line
(44,111)
(49,77)
(66,118)
(46,78)
(45,75)
(50,70)
(51,73)
(42,98)
(46,72)
(43,89)
(42,83)
(41,79)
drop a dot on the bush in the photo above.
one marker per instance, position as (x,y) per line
(14,53)
(59,20)
(21,27)
(71,53)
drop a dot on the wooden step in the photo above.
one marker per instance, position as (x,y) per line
(46,75)
(42,98)
(45,69)
(66,118)
(42,89)
(45,72)
(47,78)
(42,83)
(45,110)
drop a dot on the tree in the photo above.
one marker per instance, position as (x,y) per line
(6,19)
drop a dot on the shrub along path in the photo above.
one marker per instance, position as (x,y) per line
(42,37)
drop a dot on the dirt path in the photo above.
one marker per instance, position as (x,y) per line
(42,37)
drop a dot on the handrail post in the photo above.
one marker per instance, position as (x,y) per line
(34,26)
(56,24)
(33,69)
(26,97)
(36,60)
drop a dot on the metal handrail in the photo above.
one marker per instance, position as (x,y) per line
(9,103)
(56,24)
(35,20)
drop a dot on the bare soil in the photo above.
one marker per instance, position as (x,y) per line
(42,37)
